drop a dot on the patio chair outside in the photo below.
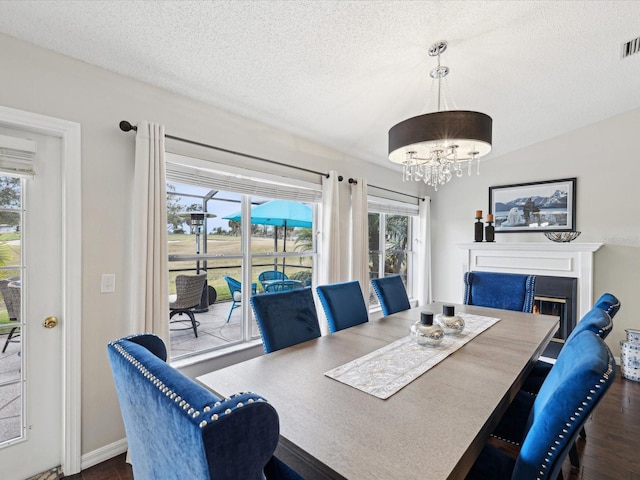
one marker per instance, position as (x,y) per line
(270,276)
(235,288)
(189,293)
(11,295)
(283,286)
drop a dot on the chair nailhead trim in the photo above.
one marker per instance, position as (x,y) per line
(185,406)
(605,377)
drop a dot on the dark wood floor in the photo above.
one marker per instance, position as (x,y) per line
(610,451)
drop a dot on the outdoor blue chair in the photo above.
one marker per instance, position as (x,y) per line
(391,294)
(577,382)
(286,318)
(269,276)
(176,428)
(235,288)
(283,286)
(343,305)
(507,291)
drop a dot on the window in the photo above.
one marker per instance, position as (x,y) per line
(272,244)
(390,243)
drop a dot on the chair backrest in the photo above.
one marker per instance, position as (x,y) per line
(283,286)
(286,318)
(343,305)
(178,429)
(188,290)
(595,320)
(507,291)
(391,294)
(270,275)
(609,303)
(11,297)
(233,284)
(580,377)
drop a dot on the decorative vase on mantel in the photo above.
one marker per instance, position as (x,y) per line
(489,230)
(478,234)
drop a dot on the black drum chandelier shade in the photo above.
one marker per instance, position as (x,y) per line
(433,146)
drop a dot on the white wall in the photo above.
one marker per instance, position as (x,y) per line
(605,158)
(37,80)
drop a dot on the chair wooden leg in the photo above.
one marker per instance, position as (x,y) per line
(573,456)
(583,433)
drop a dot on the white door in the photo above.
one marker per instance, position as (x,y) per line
(31,430)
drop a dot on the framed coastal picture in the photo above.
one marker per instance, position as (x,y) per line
(535,206)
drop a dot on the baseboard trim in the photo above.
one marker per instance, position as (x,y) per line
(103,454)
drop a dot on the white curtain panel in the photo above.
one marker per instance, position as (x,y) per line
(150,263)
(359,244)
(330,231)
(423,248)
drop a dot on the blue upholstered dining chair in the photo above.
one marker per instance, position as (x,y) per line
(269,276)
(507,291)
(577,382)
(235,288)
(391,294)
(286,318)
(178,429)
(511,427)
(343,305)
(609,303)
(598,320)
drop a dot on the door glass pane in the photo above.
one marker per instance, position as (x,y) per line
(11,367)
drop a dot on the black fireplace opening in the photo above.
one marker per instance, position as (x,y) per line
(557,296)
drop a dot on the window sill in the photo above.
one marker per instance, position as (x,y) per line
(206,357)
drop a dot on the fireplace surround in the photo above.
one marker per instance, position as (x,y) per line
(564,272)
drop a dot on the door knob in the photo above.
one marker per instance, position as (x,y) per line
(50,322)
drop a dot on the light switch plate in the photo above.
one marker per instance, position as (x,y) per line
(108,284)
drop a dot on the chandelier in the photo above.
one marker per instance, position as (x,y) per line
(434,146)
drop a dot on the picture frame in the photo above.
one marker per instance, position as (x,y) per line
(534,207)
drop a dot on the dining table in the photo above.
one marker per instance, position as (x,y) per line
(434,427)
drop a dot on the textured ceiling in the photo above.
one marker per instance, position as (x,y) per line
(343,72)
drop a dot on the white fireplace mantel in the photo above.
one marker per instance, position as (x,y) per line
(573,260)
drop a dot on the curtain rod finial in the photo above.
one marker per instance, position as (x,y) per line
(126,126)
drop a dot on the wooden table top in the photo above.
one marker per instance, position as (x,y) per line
(434,428)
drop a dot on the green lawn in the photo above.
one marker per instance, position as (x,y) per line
(217,269)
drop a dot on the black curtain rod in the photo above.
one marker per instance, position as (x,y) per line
(354,181)
(126,127)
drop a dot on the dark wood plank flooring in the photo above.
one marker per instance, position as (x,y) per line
(610,451)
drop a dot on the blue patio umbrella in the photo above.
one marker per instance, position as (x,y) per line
(279,213)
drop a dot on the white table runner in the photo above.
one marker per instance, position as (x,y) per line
(387,370)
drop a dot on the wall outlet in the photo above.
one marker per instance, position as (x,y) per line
(108,284)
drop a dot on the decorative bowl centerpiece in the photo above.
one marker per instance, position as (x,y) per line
(562,237)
